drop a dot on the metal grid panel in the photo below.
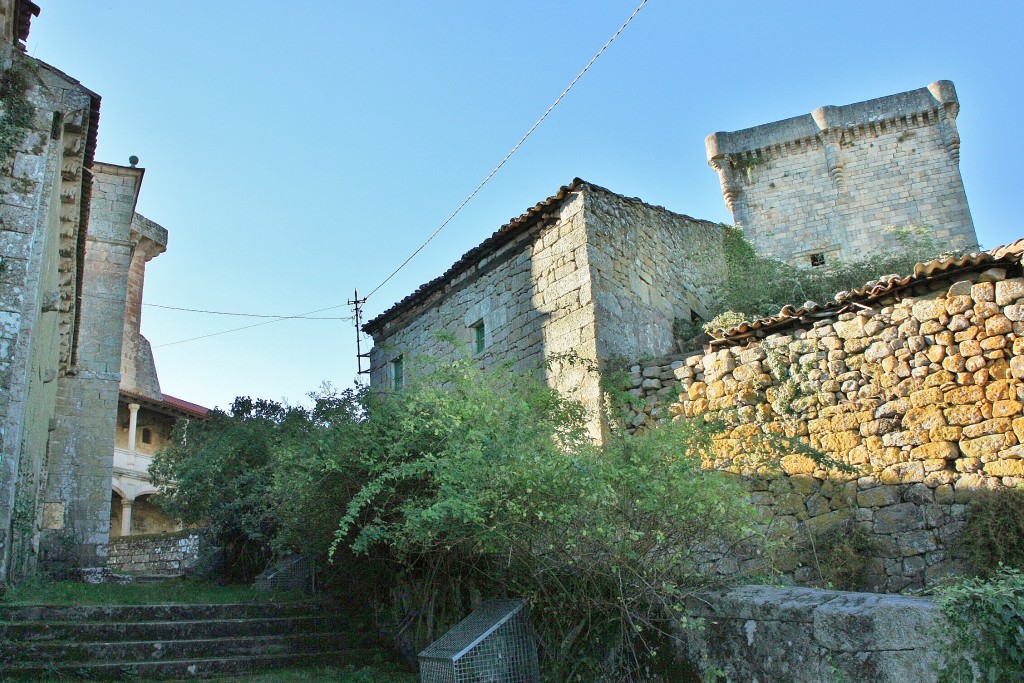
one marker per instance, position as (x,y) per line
(494,644)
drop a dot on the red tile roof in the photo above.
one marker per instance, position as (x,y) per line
(169,404)
(869,293)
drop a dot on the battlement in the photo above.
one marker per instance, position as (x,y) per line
(924,104)
(834,183)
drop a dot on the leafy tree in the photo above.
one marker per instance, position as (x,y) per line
(220,472)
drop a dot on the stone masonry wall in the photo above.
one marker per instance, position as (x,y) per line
(168,553)
(649,266)
(603,276)
(834,181)
(42,201)
(533,297)
(777,635)
(921,393)
(76,522)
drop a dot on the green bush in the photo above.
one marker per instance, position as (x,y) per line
(840,556)
(471,484)
(985,621)
(993,536)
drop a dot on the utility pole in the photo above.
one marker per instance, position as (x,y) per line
(357,303)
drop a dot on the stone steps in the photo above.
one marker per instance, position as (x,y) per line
(173,641)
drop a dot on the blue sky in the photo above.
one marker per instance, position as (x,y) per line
(297,151)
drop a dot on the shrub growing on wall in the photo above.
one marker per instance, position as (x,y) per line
(758,286)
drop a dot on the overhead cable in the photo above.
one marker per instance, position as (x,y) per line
(511,152)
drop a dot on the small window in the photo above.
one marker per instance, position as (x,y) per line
(147,435)
(817,260)
(398,372)
(479,336)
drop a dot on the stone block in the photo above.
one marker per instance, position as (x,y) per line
(866,622)
(899,518)
(1009,291)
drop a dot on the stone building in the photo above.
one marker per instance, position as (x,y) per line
(594,273)
(586,272)
(70,243)
(833,182)
(145,415)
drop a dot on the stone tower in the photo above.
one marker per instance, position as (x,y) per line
(838,181)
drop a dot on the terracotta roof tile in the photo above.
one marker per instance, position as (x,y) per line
(502,236)
(870,292)
(169,404)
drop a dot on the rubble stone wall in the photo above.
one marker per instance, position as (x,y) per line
(921,394)
(649,266)
(545,296)
(167,553)
(532,296)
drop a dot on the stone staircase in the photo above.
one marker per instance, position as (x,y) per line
(173,641)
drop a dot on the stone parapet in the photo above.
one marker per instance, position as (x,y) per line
(840,182)
(911,104)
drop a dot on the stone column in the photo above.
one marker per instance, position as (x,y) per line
(133,424)
(126,517)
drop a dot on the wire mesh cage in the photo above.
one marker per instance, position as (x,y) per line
(494,644)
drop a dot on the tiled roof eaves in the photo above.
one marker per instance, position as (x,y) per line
(869,293)
(170,405)
(502,236)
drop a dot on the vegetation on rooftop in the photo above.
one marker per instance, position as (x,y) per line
(757,286)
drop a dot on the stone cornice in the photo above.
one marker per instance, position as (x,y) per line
(938,100)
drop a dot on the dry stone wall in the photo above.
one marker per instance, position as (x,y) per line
(921,394)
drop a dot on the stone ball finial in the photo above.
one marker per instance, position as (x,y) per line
(133,161)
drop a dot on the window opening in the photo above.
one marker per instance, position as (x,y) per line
(147,435)
(479,335)
(817,260)
(398,372)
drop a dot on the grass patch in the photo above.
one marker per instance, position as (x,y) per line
(168,592)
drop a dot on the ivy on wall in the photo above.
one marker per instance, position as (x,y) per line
(16,112)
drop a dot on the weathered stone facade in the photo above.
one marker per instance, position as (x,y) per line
(45,190)
(830,183)
(917,383)
(587,272)
(70,244)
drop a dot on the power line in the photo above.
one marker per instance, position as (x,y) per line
(247,327)
(242,315)
(512,151)
(459,208)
